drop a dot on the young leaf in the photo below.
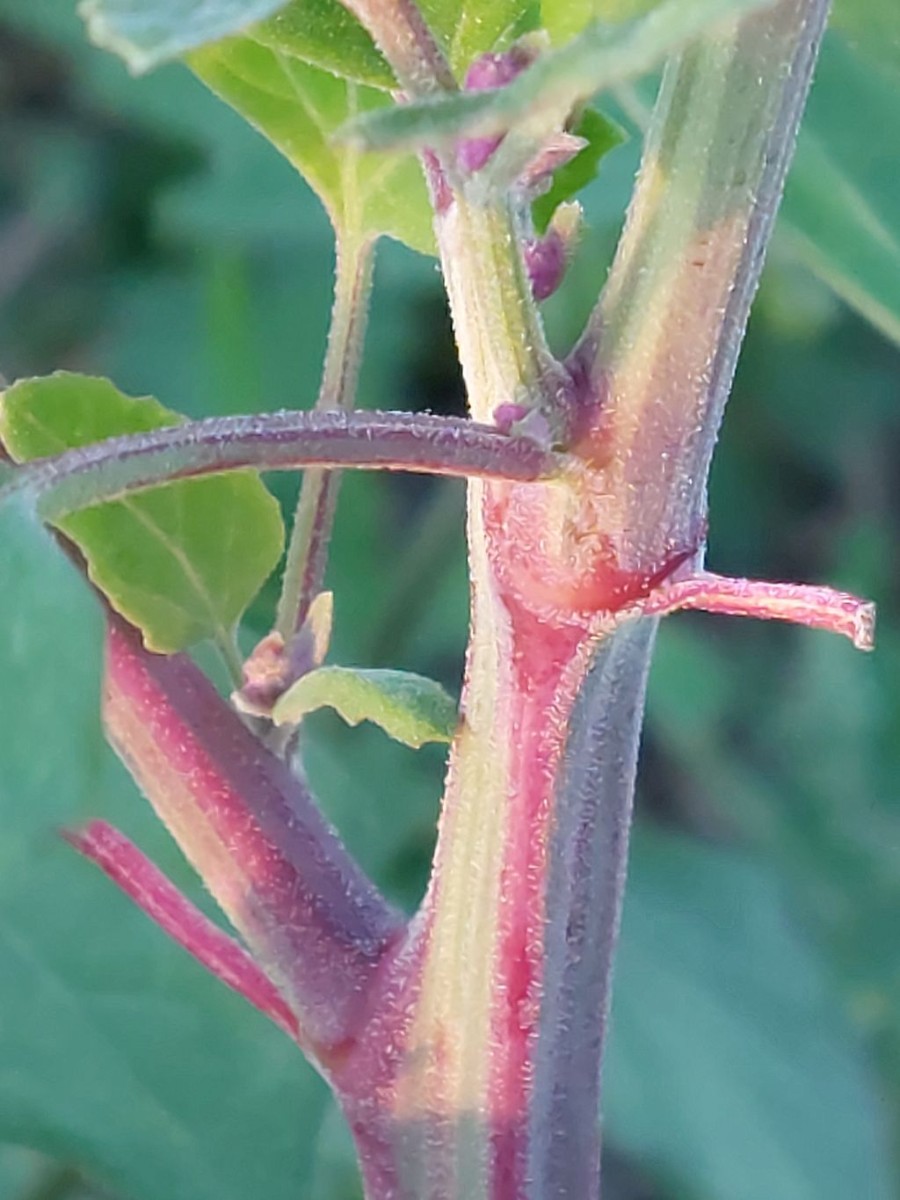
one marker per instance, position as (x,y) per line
(180,561)
(148,32)
(298,107)
(409,708)
(601,135)
(601,57)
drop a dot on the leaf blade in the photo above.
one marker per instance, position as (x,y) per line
(409,708)
(181,561)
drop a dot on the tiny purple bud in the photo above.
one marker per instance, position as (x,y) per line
(507,415)
(545,260)
(487,73)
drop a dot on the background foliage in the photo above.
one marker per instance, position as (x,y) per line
(147,234)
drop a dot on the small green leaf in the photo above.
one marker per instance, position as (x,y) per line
(149,32)
(601,57)
(409,708)
(601,135)
(180,561)
(298,107)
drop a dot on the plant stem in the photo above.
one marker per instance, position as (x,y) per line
(308,550)
(504,353)
(661,347)
(401,34)
(285,441)
(495,1092)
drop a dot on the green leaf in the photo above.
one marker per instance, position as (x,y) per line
(842,203)
(148,32)
(409,708)
(298,107)
(118,1051)
(324,34)
(467,28)
(601,57)
(732,1069)
(601,135)
(183,561)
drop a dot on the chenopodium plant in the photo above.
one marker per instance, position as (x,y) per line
(463,1044)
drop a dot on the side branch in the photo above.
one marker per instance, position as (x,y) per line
(282,441)
(144,883)
(816,607)
(314,923)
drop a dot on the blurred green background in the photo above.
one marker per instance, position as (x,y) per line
(146,233)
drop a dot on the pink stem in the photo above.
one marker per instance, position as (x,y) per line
(315,924)
(143,882)
(817,607)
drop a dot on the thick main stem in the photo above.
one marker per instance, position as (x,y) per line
(662,345)
(496,1089)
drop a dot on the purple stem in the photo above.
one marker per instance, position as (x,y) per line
(281,441)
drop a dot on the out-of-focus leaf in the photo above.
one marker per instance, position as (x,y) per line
(601,57)
(148,32)
(564,18)
(872,29)
(842,203)
(118,1052)
(181,561)
(731,1068)
(409,708)
(19,1172)
(299,107)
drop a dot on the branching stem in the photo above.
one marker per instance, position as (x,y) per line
(283,441)
(308,550)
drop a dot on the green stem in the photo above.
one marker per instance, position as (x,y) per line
(308,549)
(500,337)
(497,1095)
(662,343)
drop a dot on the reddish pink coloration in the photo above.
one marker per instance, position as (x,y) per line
(309,915)
(441,195)
(817,607)
(144,883)
(543,689)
